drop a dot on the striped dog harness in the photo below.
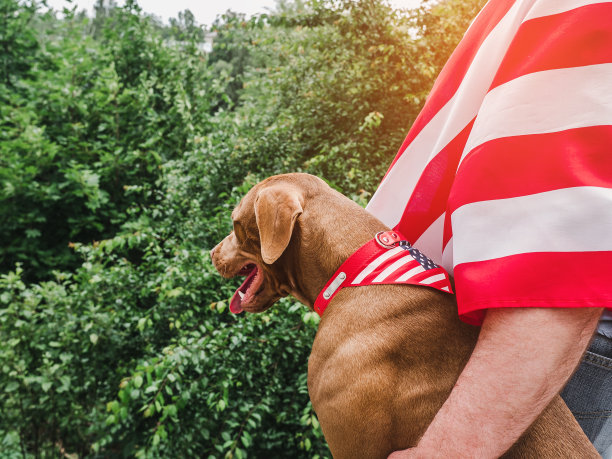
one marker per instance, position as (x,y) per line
(386,259)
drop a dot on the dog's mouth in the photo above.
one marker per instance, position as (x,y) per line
(246,293)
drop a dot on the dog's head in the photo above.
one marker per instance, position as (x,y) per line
(264,222)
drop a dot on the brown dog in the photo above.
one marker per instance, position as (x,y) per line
(385,357)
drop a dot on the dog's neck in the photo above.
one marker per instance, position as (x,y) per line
(333,233)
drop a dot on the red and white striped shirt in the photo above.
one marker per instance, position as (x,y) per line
(505,178)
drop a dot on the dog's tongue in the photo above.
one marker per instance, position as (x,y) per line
(250,271)
(236,303)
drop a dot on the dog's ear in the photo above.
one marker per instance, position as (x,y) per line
(276,209)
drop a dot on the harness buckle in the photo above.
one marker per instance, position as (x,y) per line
(387,239)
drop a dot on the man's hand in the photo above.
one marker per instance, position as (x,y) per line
(523,358)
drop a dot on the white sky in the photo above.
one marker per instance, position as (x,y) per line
(204,11)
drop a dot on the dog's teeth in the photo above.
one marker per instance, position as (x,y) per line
(241,294)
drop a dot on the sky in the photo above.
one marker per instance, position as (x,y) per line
(205,11)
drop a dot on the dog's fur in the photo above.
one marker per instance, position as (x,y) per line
(386,357)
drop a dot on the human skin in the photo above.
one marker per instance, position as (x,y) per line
(523,358)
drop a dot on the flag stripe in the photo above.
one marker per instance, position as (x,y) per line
(539,103)
(581,37)
(394,267)
(550,8)
(426,274)
(432,190)
(432,279)
(493,229)
(413,272)
(479,285)
(448,229)
(440,285)
(376,263)
(515,166)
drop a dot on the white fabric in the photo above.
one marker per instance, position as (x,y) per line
(496,228)
(542,102)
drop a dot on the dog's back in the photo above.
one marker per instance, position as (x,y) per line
(384,361)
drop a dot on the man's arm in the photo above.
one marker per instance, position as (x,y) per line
(523,358)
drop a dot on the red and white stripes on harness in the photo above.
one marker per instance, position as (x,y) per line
(386,259)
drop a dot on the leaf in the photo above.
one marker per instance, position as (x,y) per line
(112,406)
(175,292)
(221,405)
(151,389)
(171,410)
(12,386)
(111,419)
(315,422)
(246,439)
(32,233)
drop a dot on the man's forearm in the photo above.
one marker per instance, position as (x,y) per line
(523,358)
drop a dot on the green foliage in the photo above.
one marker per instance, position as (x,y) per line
(347,90)
(145,358)
(94,118)
(123,149)
(441,25)
(18,44)
(185,28)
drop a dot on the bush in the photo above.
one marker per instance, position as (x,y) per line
(92,119)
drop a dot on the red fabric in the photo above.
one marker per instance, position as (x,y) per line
(535,164)
(513,149)
(539,280)
(431,194)
(373,264)
(580,37)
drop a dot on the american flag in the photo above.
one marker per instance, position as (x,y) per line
(374,265)
(505,178)
(401,265)
(425,262)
